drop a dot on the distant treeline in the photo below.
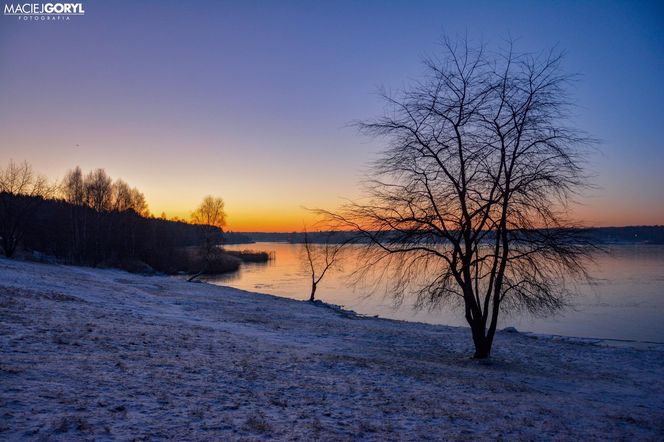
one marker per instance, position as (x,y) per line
(631,234)
(601,235)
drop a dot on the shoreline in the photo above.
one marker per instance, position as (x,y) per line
(631,343)
(614,307)
(101,353)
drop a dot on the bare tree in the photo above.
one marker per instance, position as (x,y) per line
(127,198)
(98,190)
(211,218)
(468,203)
(321,258)
(121,198)
(73,189)
(21,193)
(138,203)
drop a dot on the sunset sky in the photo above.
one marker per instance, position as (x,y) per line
(252,101)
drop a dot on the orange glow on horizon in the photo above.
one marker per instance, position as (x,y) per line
(294,219)
(280,207)
(260,220)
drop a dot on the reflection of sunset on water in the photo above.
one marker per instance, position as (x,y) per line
(625,303)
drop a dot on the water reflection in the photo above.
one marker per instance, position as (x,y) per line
(627,301)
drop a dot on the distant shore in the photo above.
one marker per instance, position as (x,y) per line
(602,235)
(92,353)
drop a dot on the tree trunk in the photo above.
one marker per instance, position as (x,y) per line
(482,342)
(9,247)
(313,292)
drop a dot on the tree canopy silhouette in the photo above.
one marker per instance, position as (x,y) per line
(211,219)
(21,193)
(468,202)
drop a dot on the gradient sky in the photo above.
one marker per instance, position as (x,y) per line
(251,101)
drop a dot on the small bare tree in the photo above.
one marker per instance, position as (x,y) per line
(468,203)
(21,193)
(321,258)
(211,218)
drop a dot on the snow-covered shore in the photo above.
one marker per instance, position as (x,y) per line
(103,354)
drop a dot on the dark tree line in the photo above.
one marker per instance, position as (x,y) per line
(100,210)
(82,235)
(21,193)
(91,220)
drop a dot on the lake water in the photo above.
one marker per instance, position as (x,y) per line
(627,303)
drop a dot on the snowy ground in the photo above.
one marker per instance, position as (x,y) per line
(103,354)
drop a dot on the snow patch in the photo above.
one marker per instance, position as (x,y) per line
(104,354)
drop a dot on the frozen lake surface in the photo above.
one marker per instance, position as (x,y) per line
(627,302)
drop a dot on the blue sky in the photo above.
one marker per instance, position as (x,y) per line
(251,100)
